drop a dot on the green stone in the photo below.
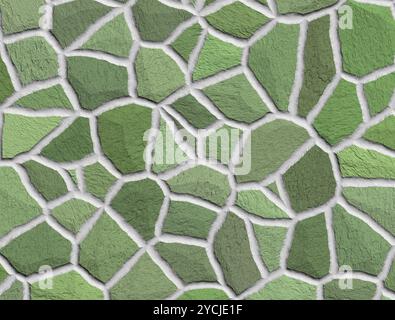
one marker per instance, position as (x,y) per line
(7,88)
(139,203)
(37,247)
(237,20)
(378,93)
(377,202)
(72,19)
(96,81)
(365,163)
(286,288)
(15,292)
(390,280)
(357,244)
(270,241)
(370,43)
(361,290)
(50,98)
(145,281)
(98,180)
(202,182)
(190,263)
(158,75)
(48,182)
(271,145)
(232,249)
(204,294)
(20,15)
(255,202)
(341,115)
(155,21)
(17,207)
(382,133)
(74,143)
(187,41)
(73,213)
(273,60)
(188,219)
(34,59)
(106,242)
(113,38)
(237,99)
(195,113)
(305,190)
(68,286)
(302,6)
(22,133)
(309,253)
(216,56)
(319,66)
(122,131)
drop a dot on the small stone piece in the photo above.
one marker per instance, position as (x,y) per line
(106,242)
(204,294)
(379,93)
(50,98)
(216,56)
(202,182)
(139,203)
(121,133)
(341,115)
(195,113)
(237,20)
(271,145)
(187,41)
(73,213)
(365,163)
(72,19)
(255,202)
(73,144)
(361,290)
(96,81)
(390,280)
(156,21)
(310,182)
(146,281)
(232,249)
(273,60)
(302,6)
(190,263)
(188,219)
(39,246)
(158,75)
(34,59)
(319,66)
(68,286)
(22,133)
(17,207)
(286,288)
(357,244)
(13,293)
(48,182)
(20,15)
(270,240)
(377,202)
(368,38)
(113,38)
(7,88)
(98,180)
(237,99)
(383,133)
(309,252)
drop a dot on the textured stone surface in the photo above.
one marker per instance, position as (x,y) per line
(197,150)
(232,249)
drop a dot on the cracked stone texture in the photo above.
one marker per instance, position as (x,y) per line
(125,126)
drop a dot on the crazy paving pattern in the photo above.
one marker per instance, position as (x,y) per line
(87,210)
